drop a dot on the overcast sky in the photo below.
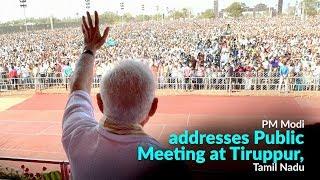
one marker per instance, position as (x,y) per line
(10,9)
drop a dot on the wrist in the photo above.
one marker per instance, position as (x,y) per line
(89,51)
(92,49)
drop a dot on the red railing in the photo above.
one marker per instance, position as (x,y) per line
(63,164)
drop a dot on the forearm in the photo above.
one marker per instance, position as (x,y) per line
(83,74)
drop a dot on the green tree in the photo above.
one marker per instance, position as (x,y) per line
(261,7)
(291,10)
(45,20)
(143,17)
(185,12)
(235,9)
(178,14)
(310,7)
(110,17)
(156,17)
(207,14)
(127,17)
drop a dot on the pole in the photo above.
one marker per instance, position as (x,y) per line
(162,19)
(122,20)
(51,22)
(25,19)
(270,14)
(122,12)
(157,8)
(303,11)
(142,8)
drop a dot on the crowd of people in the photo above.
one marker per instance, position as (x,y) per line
(177,51)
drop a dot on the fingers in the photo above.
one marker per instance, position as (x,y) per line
(85,32)
(83,29)
(84,22)
(105,33)
(96,19)
(91,32)
(89,20)
(104,37)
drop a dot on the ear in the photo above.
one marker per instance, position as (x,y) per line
(154,107)
(152,111)
(99,101)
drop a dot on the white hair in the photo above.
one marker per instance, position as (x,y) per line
(127,92)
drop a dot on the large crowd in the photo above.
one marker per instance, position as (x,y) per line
(178,49)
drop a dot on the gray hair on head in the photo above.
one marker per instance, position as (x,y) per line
(127,92)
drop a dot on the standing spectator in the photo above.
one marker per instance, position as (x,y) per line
(238,74)
(266,66)
(2,72)
(307,74)
(155,70)
(200,75)
(99,73)
(248,76)
(67,72)
(284,72)
(13,75)
(43,74)
(187,75)
(57,72)
(35,74)
(25,75)
(174,76)
(316,75)
(228,75)
(50,74)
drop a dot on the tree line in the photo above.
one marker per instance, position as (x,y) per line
(112,17)
(234,10)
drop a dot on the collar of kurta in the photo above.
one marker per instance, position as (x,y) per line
(121,129)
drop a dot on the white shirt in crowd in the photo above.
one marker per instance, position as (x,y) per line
(266,64)
(316,72)
(42,70)
(35,71)
(25,72)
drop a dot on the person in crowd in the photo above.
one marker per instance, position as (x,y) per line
(187,76)
(248,76)
(2,71)
(57,72)
(13,76)
(25,75)
(284,73)
(67,72)
(43,73)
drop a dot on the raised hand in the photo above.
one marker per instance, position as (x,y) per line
(92,37)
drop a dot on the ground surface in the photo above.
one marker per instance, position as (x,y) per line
(31,126)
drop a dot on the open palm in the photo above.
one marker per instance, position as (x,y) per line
(92,37)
